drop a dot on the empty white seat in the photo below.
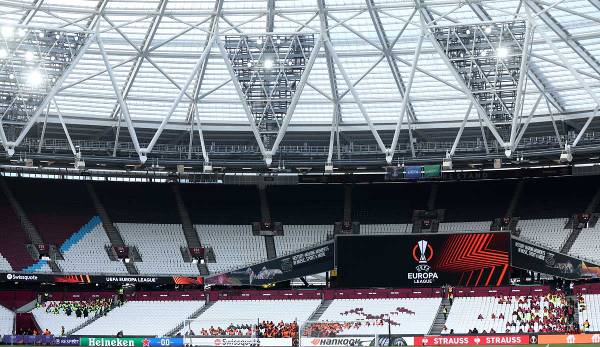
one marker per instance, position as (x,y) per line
(223,313)
(297,237)
(7,318)
(549,232)
(4,264)
(464,227)
(54,322)
(234,245)
(407,316)
(142,318)
(591,312)
(160,248)
(378,229)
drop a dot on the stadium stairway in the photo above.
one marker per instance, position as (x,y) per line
(265,217)
(194,315)
(189,231)
(320,310)
(440,319)
(115,238)
(270,245)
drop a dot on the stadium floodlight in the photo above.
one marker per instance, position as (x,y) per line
(259,41)
(329,168)
(268,63)
(21,32)
(3,53)
(507,152)
(35,78)
(29,56)
(7,31)
(502,52)
(488,29)
(566,156)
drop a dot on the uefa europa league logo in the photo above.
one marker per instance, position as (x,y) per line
(422,249)
(422,253)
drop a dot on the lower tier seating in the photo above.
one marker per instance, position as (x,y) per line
(508,314)
(590,311)
(58,315)
(7,318)
(142,318)
(407,316)
(241,312)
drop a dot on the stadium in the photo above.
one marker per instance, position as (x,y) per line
(295,173)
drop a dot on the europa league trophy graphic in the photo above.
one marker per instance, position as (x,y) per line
(422,249)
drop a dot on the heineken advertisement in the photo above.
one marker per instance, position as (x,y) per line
(131,342)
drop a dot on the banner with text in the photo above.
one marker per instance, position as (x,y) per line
(527,256)
(311,261)
(382,340)
(238,342)
(464,340)
(48,278)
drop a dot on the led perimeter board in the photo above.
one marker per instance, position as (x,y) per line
(422,260)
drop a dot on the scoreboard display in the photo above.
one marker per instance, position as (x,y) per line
(466,259)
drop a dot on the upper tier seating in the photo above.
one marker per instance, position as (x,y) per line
(591,312)
(159,245)
(306,204)
(474,200)
(408,316)
(7,318)
(142,318)
(378,229)
(221,204)
(4,264)
(547,232)
(555,197)
(461,227)
(225,312)
(483,313)
(234,245)
(57,208)
(138,202)
(587,245)
(301,236)
(14,238)
(86,254)
(388,203)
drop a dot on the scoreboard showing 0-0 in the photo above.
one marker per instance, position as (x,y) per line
(468,259)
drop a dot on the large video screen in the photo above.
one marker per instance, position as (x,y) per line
(424,260)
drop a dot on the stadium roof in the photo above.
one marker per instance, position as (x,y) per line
(352,97)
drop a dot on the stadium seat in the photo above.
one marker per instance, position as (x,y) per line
(587,244)
(142,318)
(225,312)
(55,322)
(87,254)
(301,236)
(381,229)
(7,318)
(591,312)
(407,316)
(160,248)
(549,232)
(463,227)
(234,245)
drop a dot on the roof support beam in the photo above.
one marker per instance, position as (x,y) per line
(10,146)
(460,130)
(337,110)
(427,18)
(146,44)
(200,77)
(403,107)
(121,100)
(389,56)
(357,99)
(595,3)
(28,16)
(270,15)
(561,32)
(533,72)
